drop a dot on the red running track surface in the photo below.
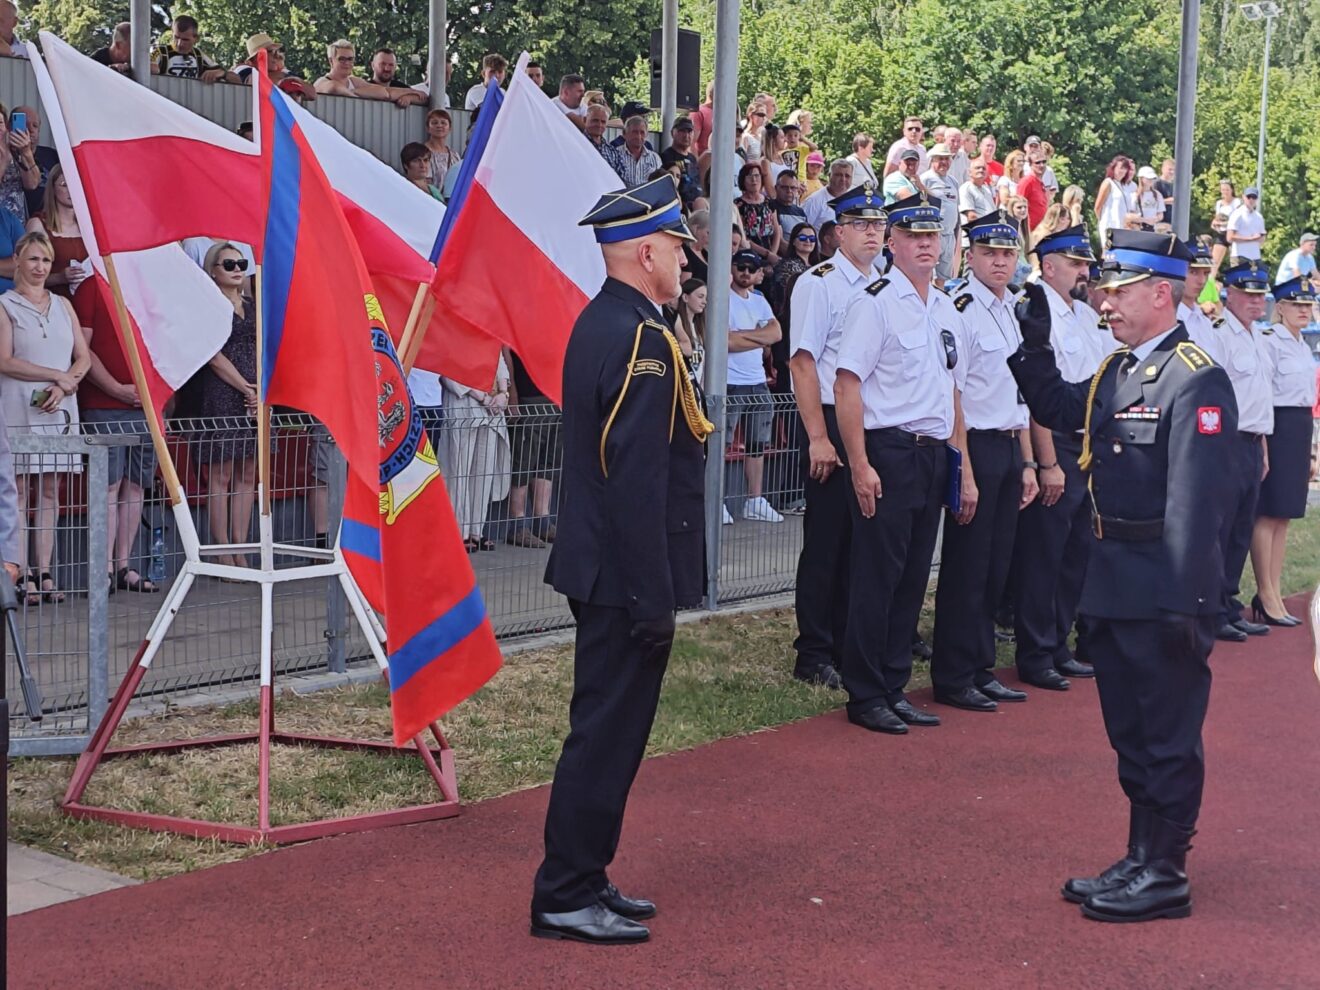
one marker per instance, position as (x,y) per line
(814,856)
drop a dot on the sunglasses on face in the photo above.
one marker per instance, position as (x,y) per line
(807,238)
(233,264)
(746,269)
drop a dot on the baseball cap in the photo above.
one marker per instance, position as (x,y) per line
(1033,139)
(746,257)
(815,158)
(1308,236)
(910,154)
(1146,172)
(683,124)
(1253,192)
(634,109)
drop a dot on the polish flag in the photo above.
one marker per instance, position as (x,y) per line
(153,171)
(515,263)
(176,312)
(395,225)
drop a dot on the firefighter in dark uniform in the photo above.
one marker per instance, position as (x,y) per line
(820,297)
(1159,416)
(630,550)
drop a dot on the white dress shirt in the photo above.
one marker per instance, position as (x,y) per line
(987,334)
(1294,367)
(896,344)
(1202,331)
(1248,365)
(1079,342)
(820,297)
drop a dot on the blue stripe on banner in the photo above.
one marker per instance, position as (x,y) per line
(1158,263)
(281,236)
(467,168)
(359,538)
(438,638)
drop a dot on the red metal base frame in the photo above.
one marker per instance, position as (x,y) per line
(438,759)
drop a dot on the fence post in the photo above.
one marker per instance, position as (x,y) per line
(98,592)
(336,613)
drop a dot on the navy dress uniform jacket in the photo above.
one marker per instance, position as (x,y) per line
(1159,440)
(631,529)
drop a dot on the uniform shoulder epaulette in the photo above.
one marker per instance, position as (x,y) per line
(1268,331)
(875,287)
(653,324)
(1193,356)
(823,269)
(1218,323)
(962,302)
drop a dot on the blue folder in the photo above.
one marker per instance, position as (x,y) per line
(953,487)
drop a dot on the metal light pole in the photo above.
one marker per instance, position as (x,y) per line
(1265,11)
(668,70)
(1186,119)
(437,57)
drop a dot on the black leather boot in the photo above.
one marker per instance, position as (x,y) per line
(1079,889)
(1160,889)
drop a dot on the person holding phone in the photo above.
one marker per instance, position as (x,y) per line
(43,358)
(19,171)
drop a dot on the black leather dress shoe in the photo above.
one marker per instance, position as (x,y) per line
(913,715)
(627,907)
(968,698)
(823,676)
(596,924)
(999,692)
(1075,668)
(1230,634)
(1049,679)
(1251,628)
(921,649)
(879,719)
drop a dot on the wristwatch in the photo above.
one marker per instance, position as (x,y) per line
(1030,464)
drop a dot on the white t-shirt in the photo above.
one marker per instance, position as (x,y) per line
(425,387)
(1121,201)
(750,313)
(578,111)
(1249,223)
(474,96)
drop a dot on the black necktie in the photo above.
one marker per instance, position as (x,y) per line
(1129,364)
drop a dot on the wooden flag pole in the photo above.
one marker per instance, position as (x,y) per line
(167,469)
(414,331)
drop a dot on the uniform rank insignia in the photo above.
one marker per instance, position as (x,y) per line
(1139,412)
(1193,356)
(1218,323)
(820,271)
(1208,419)
(649,366)
(875,287)
(962,302)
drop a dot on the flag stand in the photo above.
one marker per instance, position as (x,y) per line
(436,756)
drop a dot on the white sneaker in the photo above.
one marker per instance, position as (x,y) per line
(728,519)
(760,510)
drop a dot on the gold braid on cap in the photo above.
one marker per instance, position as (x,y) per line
(686,393)
(1084,461)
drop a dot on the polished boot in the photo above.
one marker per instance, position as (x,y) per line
(595,923)
(1078,889)
(633,908)
(1258,614)
(1160,889)
(1230,634)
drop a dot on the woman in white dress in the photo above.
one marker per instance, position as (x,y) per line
(477,453)
(43,357)
(1116,199)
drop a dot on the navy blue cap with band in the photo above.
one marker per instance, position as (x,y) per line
(1302,289)
(915,213)
(1072,242)
(859,203)
(993,230)
(651,208)
(1134,255)
(1201,257)
(1250,276)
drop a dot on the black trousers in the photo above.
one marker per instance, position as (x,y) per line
(821,593)
(1235,537)
(1154,683)
(890,567)
(616,687)
(1050,554)
(974,566)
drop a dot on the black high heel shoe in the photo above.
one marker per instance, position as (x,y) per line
(1258,614)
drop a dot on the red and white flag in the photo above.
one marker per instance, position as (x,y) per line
(177,313)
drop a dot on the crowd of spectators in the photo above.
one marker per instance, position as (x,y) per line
(504,443)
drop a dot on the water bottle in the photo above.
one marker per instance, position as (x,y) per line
(156,569)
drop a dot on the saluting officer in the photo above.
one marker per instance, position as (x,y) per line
(630,550)
(1054,533)
(998,477)
(895,397)
(820,297)
(1160,422)
(1247,362)
(1200,328)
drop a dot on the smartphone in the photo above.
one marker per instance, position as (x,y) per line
(40,396)
(18,121)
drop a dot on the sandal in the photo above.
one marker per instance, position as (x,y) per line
(53,595)
(486,545)
(140,584)
(26,586)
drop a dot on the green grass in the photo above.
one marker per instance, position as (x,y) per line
(729,675)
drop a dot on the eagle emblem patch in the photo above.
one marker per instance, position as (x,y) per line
(1207,419)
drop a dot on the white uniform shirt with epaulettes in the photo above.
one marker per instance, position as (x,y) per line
(820,297)
(987,334)
(1202,331)
(1249,369)
(899,346)
(1080,343)
(1293,366)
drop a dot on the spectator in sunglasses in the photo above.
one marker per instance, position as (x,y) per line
(275,68)
(801,252)
(786,206)
(913,132)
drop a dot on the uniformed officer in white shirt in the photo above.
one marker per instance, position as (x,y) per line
(1248,365)
(1054,532)
(998,476)
(820,297)
(897,406)
(1199,326)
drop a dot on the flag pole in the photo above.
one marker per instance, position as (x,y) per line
(167,469)
(263,411)
(414,331)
